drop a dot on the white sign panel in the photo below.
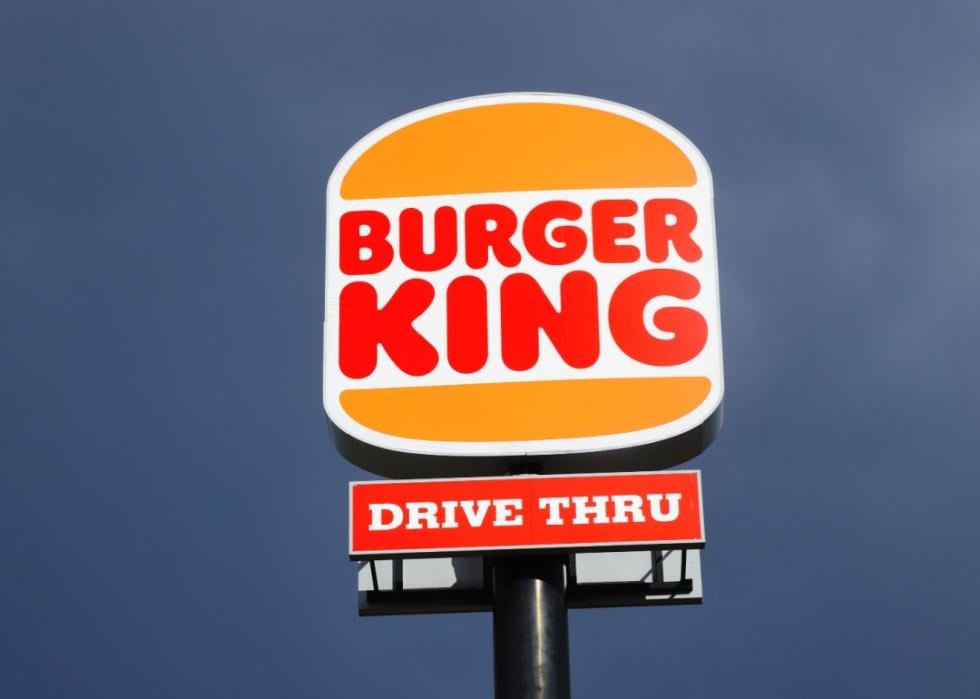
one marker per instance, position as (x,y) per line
(521,277)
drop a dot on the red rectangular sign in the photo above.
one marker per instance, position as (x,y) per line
(606,511)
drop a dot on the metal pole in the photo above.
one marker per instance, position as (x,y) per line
(530,628)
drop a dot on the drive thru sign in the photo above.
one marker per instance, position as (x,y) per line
(557,513)
(521,277)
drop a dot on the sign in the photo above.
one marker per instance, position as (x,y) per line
(528,512)
(521,278)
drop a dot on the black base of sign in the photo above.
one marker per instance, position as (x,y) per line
(530,628)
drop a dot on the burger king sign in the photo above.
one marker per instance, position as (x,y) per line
(521,279)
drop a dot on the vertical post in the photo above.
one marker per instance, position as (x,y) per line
(530,628)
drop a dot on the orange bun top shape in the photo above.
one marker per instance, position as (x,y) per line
(516,147)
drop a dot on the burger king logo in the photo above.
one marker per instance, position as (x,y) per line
(521,278)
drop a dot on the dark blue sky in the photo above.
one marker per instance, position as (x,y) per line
(172,513)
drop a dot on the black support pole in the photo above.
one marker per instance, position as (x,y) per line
(530,628)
